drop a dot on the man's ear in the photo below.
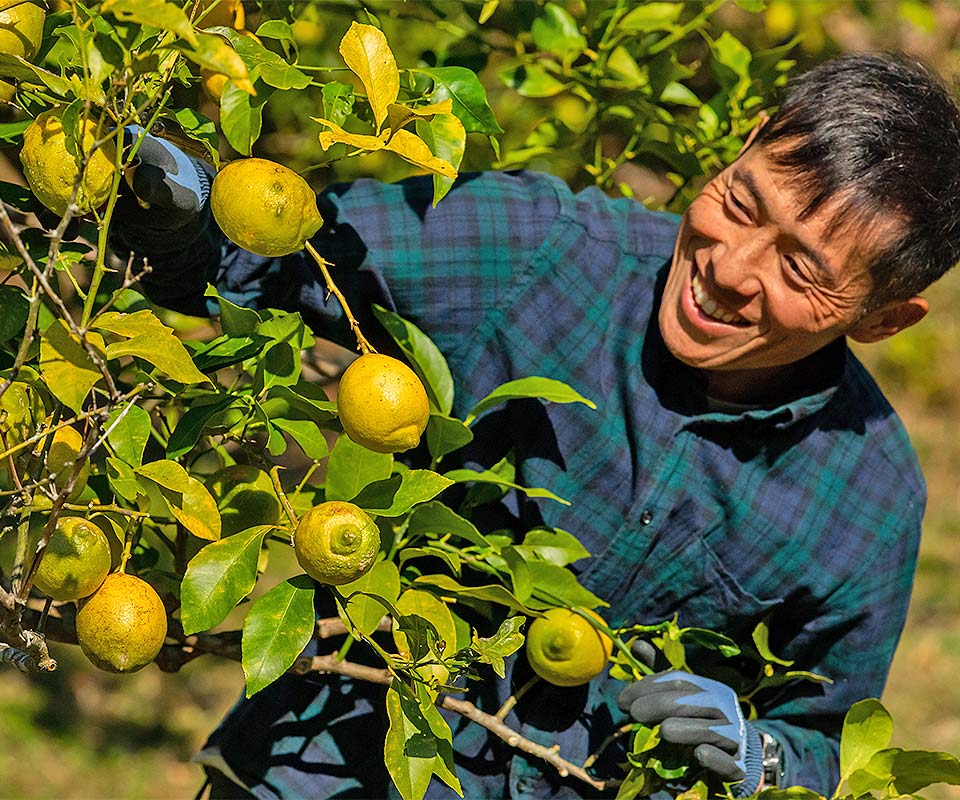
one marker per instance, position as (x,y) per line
(764,119)
(890,319)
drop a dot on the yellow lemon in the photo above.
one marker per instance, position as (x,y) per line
(121,627)
(213,83)
(76,560)
(264,207)
(245,497)
(565,649)
(51,170)
(336,542)
(21,31)
(382,404)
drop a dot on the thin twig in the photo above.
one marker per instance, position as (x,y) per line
(363,345)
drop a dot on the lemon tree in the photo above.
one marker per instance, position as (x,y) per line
(172,441)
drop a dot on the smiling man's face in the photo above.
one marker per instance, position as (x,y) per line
(753,288)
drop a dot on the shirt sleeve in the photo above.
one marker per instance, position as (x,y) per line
(442,267)
(853,642)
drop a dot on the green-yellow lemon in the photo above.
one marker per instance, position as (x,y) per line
(20,407)
(245,497)
(121,627)
(51,170)
(336,542)
(382,404)
(264,207)
(76,561)
(21,31)
(565,649)
(61,456)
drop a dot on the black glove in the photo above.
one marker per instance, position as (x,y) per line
(704,714)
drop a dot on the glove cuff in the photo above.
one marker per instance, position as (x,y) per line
(752,764)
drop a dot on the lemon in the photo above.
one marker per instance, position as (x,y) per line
(76,560)
(226,13)
(51,170)
(264,207)
(21,31)
(61,456)
(213,83)
(565,649)
(121,627)
(336,542)
(20,405)
(245,498)
(382,404)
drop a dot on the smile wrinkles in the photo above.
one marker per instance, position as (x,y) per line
(711,307)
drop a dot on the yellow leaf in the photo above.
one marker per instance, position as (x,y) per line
(337,134)
(412,148)
(66,366)
(215,53)
(365,50)
(399,115)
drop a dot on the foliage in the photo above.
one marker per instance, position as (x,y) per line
(652,85)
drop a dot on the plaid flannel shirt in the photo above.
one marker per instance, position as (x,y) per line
(807,514)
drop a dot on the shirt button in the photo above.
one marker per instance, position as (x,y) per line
(646,517)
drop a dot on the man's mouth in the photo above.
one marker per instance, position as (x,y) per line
(711,308)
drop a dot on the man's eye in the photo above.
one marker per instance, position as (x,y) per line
(738,207)
(794,266)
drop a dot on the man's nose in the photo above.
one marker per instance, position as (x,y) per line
(737,264)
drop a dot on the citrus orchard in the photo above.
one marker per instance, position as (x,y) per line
(245,498)
(565,649)
(51,169)
(382,404)
(121,627)
(336,542)
(76,561)
(264,207)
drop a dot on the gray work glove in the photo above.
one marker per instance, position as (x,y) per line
(703,714)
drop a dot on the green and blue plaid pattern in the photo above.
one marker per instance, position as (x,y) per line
(807,514)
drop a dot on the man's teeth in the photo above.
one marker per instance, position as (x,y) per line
(709,306)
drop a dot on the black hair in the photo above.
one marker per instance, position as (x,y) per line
(882,132)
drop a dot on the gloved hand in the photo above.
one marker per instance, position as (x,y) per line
(704,714)
(167,192)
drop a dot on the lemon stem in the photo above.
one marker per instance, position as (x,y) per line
(127,547)
(287,508)
(362,344)
(345,647)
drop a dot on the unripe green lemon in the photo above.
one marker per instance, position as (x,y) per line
(336,542)
(76,561)
(121,627)
(245,497)
(51,170)
(382,404)
(20,407)
(264,207)
(565,649)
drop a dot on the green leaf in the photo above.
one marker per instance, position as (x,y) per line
(365,50)
(214,53)
(191,425)
(337,102)
(129,431)
(651,17)
(543,388)
(307,435)
(426,605)
(278,29)
(761,638)
(146,337)
(753,6)
(187,498)
(451,559)
(418,744)
(154,14)
(867,728)
(914,770)
(277,628)
(369,597)
(67,369)
(20,197)
(266,64)
(235,320)
(436,519)
(790,793)
(472,476)
(14,310)
(351,467)
(557,586)
(241,116)
(219,577)
(392,497)
(520,578)
(446,434)
(711,640)
(123,480)
(19,69)
(557,32)
(491,593)
(447,139)
(224,351)
(731,52)
(199,128)
(464,88)
(424,356)
(553,545)
(280,364)
(531,80)
(505,642)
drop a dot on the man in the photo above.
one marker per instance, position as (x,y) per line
(741,466)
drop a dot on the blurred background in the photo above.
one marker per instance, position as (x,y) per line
(81,733)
